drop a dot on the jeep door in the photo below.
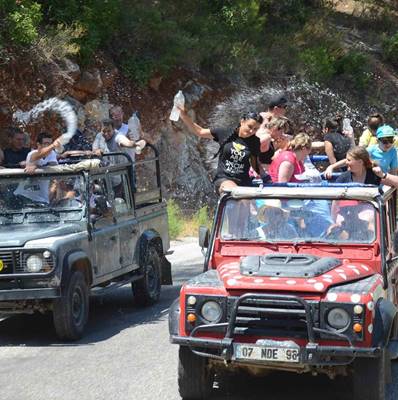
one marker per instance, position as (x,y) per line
(105,230)
(126,221)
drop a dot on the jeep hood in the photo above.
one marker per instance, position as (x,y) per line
(18,235)
(314,275)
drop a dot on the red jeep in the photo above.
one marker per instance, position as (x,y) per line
(297,278)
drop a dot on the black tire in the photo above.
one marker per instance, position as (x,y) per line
(147,290)
(70,312)
(370,377)
(195,380)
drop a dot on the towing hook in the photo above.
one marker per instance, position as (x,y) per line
(226,354)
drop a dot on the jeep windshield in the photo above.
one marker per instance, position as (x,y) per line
(41,199)
(299,220)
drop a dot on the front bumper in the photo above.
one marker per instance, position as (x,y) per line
(29,294)
(312,353)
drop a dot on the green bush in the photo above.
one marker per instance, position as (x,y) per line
(201,217)
(390,49)
(23,22)
(174,219)
(354,66)
(319,63)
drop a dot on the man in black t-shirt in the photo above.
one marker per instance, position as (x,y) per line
(15,155)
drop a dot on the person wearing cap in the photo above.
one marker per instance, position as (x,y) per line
(276,109)
(384,153)
(273,221)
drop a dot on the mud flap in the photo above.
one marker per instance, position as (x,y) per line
(166,272)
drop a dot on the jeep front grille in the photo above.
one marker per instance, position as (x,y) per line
(266,317)
(14,262)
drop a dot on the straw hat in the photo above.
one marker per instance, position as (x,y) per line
(269,204)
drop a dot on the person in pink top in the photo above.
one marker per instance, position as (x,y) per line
(289,163)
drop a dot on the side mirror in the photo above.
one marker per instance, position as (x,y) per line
(204,235)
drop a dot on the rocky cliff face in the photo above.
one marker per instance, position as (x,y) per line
(184,158)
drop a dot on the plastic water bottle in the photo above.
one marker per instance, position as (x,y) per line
(179,100)
(134,125)
(348,130)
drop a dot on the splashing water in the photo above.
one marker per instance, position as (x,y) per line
(310,103)
(61,107)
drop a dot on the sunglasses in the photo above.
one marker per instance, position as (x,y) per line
(387,140)
(253,115)
(282,106)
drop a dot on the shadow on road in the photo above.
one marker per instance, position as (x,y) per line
(109,315)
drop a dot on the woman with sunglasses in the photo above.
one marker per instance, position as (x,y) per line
(239,149)
(384,152)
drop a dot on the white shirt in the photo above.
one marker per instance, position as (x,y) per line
(123,129)
(35,188)
(112,145)
(42,162)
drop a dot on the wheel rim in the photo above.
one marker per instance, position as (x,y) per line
(78,306)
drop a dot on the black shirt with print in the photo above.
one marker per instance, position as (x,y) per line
(234,159)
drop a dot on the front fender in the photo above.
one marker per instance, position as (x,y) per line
(80,260)
(174,317)
(385,312)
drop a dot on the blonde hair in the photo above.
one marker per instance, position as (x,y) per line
(299,142)
(279,123)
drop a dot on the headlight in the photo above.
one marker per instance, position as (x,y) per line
(338,318)
(211,311)
(34,263)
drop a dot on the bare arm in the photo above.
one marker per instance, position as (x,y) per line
(265,140)
(329,170)
(330,152)
(44,152)
(386,179)
(194,127)
(285,172)
(317,146)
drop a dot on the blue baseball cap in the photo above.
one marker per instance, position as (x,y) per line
(385,131)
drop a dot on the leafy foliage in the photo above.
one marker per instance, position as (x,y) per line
(390,49)
(146,37)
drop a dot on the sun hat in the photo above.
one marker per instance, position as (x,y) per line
(385,131)
(268,204)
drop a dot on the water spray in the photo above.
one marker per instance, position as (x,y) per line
(62,107)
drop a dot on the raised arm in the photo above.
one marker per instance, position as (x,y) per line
(45,151)
(194,127)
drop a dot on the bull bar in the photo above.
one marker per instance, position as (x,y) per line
(311,354)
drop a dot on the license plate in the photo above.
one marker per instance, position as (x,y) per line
(266,353)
